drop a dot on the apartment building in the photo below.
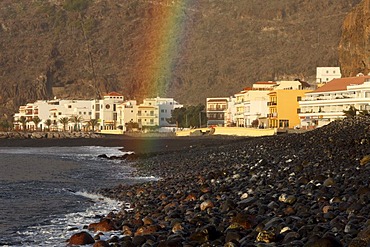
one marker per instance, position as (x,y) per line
(156,112)
(283,105)
(127,112)
(328,102)
(220,111)
(53,110)
(326,74)
(105,110)
(251,105)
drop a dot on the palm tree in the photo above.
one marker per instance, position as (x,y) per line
(36,120)
(48,123)
(64,121)
(76,120)
(93,123)
(23,120)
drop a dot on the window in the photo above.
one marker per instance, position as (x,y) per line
(299,98)
(114,107)
(162,110)
(79,113)
(107,106)
(69,106)
(162,119)
(97,107)
(298,110)
(152,121)
(59,113)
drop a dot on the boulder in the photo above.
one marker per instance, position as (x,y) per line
(81,238)
(105,225)
(101,243)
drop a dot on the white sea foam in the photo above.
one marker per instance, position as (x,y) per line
(61,229)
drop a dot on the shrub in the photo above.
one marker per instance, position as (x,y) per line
(76,5)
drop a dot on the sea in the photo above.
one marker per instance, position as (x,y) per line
(48,193)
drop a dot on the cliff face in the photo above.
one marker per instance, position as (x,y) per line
(354,48)
(188,50)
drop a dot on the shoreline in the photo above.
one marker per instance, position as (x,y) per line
(139,145)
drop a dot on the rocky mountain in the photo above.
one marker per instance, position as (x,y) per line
(188,50)
(354,47)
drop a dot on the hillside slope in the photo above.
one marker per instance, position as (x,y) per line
(189,50)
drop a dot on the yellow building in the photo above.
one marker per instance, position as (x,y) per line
(284,108)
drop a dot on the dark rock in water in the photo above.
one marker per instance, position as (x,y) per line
(81,238)
(104,156)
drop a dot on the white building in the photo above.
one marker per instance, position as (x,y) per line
(105,110)
(111,112)
(156,111)
(53,110)
(328,102)
(326,74)
(127,113)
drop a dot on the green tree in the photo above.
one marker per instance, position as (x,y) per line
(351,112)
(93,123)
(36,120)
(23,121)
(48,123)
(64,121)
(5,125)
(76,120)
(188,116)
(178,117)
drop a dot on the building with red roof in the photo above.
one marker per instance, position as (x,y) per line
(328,103)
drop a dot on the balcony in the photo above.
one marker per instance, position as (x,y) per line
(217,109)
(147,115)
(272,115)
(271,103)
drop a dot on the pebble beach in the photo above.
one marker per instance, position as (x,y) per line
(309,189)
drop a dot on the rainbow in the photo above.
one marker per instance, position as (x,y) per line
(162,44)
